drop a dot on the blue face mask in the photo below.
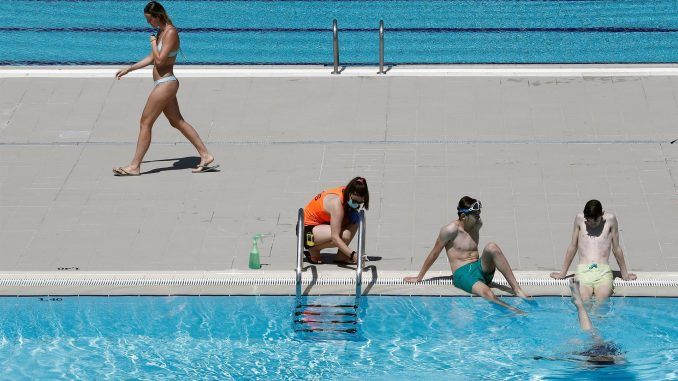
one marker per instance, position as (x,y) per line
(353,204)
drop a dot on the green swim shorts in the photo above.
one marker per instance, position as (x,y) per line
(467,275)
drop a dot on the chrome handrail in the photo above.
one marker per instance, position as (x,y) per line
(300,249)
(381,47)
(361,253)
(335,44)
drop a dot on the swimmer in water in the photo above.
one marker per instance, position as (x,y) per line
(601,352)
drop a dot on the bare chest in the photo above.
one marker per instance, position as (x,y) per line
(594,239)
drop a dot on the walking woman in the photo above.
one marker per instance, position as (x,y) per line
(163,97)
(331,220)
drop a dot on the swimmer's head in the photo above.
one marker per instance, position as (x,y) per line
(601,360)
(603,353)
(593,213)
(356,193)
(468,210)
(156,15)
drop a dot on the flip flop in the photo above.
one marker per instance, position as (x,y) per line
(121,172)
(206,168)
(308,257)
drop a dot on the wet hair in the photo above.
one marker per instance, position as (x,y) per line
(465,203)
(604,353)
(155,9)
(593,209)
(357,186)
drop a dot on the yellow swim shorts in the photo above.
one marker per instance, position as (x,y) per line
(595,274)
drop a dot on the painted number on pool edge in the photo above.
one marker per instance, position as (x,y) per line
(50,299)
(68,268)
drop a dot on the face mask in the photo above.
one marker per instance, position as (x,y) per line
(353,204)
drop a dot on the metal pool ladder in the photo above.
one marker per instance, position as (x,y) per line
(320,317)
(335,47)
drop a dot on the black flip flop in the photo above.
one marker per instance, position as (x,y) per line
(206,168)
(121,172)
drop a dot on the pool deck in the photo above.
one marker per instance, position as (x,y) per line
(534,143)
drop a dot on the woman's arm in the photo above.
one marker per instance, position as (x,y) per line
(170,42)
(143,63)
(336,210)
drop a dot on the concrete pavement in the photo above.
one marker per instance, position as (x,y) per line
(534,149)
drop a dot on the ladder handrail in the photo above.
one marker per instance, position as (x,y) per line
(358,283)
(381,47)
(361,253)
(300,249)
(335,46)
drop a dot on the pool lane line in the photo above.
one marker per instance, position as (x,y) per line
(401,70)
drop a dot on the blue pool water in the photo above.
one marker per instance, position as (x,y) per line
(299,32)
(98,338)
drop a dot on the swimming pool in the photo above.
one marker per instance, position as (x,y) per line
(253,337)
(299,31)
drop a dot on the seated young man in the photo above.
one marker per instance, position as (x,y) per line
(595,232)
(472,272)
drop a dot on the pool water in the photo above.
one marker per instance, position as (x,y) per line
(299,31)
(253,337)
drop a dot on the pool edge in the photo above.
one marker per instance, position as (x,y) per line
(479,70)
(536,283)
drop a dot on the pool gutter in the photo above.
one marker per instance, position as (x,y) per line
(536,283)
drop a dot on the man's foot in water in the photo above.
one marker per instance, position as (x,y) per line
(522,294)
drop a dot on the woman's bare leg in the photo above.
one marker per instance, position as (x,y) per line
(322,236)
(157,100)
(177,121)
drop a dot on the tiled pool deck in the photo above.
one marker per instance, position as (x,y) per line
(533,146)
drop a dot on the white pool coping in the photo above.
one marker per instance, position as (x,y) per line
(249,282)
(187,71)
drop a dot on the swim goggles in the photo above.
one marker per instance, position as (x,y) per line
(474,208)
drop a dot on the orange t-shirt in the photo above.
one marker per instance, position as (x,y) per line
(314,212)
